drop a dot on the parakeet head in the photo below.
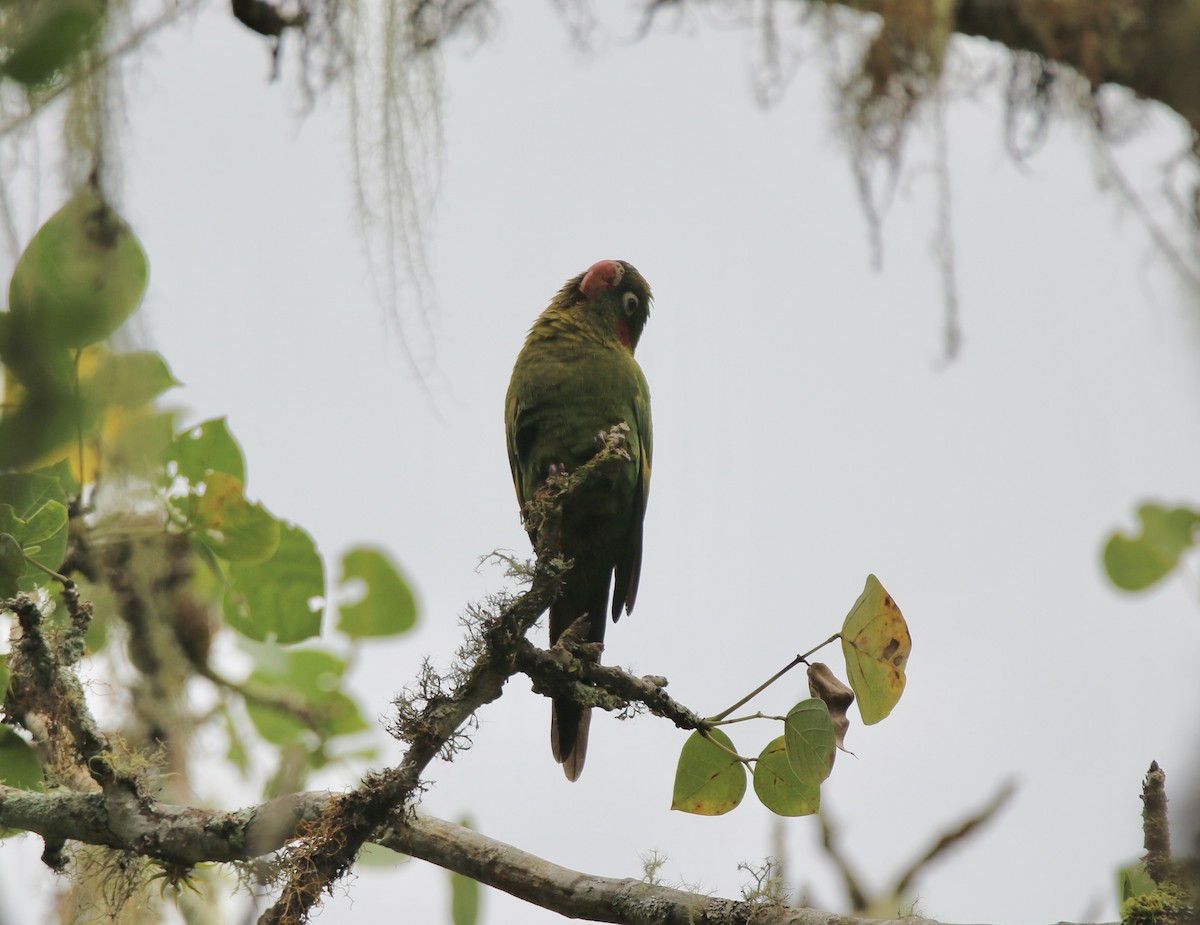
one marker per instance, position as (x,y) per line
(611,297)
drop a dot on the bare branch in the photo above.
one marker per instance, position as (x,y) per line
(188,836)
(954,837)
(586,896)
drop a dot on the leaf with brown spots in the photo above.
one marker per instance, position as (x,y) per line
(709,780)
(778,787)
(876,643)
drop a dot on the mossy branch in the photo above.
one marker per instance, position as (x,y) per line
(1156,834)
(45,696)
(330,844)
(188,835)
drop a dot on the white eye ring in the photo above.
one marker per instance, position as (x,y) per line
(630,303)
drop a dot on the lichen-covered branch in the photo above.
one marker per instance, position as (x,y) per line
(45,696)
(329,845)
(189,836)
(179,834)
(555,673)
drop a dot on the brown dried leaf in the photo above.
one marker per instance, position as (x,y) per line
(823,683)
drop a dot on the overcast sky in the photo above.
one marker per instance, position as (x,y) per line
(808,432)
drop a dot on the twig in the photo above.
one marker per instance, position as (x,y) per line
(798,660)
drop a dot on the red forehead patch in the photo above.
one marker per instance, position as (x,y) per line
(600,277)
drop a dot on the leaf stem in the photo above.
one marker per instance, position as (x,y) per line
(742,719)
(725,748)
(79,420)
(799,659)
(49,571)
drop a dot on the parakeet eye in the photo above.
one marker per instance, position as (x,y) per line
(630,303)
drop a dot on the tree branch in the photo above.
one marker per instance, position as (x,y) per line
(586,896)
(430,721)
(1152,47)
(179,834)
(188,836)
(554,672)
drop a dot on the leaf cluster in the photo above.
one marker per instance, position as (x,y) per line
(105,498)
(711,776)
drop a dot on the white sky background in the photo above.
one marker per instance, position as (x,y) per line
(807,433)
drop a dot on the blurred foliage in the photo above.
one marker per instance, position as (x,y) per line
(1137,562)
(465,894)
(101,490)
(40,41)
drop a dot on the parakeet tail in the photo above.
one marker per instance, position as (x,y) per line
(569,724)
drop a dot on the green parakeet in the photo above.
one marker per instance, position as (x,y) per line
(574,379)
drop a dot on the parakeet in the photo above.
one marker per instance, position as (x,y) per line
(574,379)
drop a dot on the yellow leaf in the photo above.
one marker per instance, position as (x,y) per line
(876,643)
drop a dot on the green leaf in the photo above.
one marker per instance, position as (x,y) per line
(315,678)
(12,565)
(65,475)
(19,767)
(81,276)
(379,856)
(53,34)
(388,607)
(778,787)
(708,780)
(40,502)
(876,644)
(35,358)
(232,527)
(207,447)
(464,899)
(236,754)
(282,597)
(3,676)
(808,735)
(130,379)
(1135,563)
(464,894)
(277,726)
(137,440)
(41,423)
(1133,880)
(44,524)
